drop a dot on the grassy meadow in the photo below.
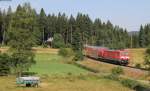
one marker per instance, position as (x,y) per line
(136,55)
(51,64)
(65,84)
(59,76)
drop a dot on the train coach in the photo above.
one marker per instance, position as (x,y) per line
(118,56)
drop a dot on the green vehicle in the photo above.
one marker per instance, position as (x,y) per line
(28,81)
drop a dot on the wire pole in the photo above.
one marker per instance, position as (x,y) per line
(43,35)
(131,41)
(71,34)
(3,34)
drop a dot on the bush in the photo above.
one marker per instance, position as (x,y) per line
(129,83)
(138,65)
(68,45)
(111,77)
(66,52)
(44,45)
(63,52)
(117,71)
(68,55)
(5,64)
(78,56)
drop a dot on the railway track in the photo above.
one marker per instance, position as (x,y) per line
(136,68)
(103,66)
(113,63)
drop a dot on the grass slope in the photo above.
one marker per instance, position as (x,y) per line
(136,55)
(105,68)
(51,64)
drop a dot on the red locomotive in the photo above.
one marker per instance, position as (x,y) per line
(119,56)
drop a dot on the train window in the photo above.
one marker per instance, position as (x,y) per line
(124,54)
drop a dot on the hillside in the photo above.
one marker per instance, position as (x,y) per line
(56,75)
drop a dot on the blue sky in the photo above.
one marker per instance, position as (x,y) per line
(128,14)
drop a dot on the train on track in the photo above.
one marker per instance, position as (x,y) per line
(117,56)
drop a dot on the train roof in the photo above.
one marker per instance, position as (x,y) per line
(117,50)
(96,47)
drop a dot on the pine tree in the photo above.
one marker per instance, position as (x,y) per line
(58,41)
(71,27)
(21,39)
(77,41)
(42,25)
(142,37)
(1,26)
(8,22)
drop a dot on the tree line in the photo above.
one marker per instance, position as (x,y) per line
(24,28)
(141,38)
(66,31)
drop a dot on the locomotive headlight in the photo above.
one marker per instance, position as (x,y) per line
(127,58)
(122,58)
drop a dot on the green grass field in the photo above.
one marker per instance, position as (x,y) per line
(52,64)
(55,76)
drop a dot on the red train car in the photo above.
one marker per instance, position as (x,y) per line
(94,51)
(120,56)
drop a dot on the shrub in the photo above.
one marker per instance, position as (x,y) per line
(111,77)
(117,71)
(78,56)
(62,52)
(44,45)
(129,83)
(66,52)
(68,45)
(68,55)
(5,64)
(138,65)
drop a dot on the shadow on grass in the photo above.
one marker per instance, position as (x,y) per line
(141,88)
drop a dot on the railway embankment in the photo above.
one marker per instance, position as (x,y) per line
(104,69)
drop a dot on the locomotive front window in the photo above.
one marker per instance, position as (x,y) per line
(124,53)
